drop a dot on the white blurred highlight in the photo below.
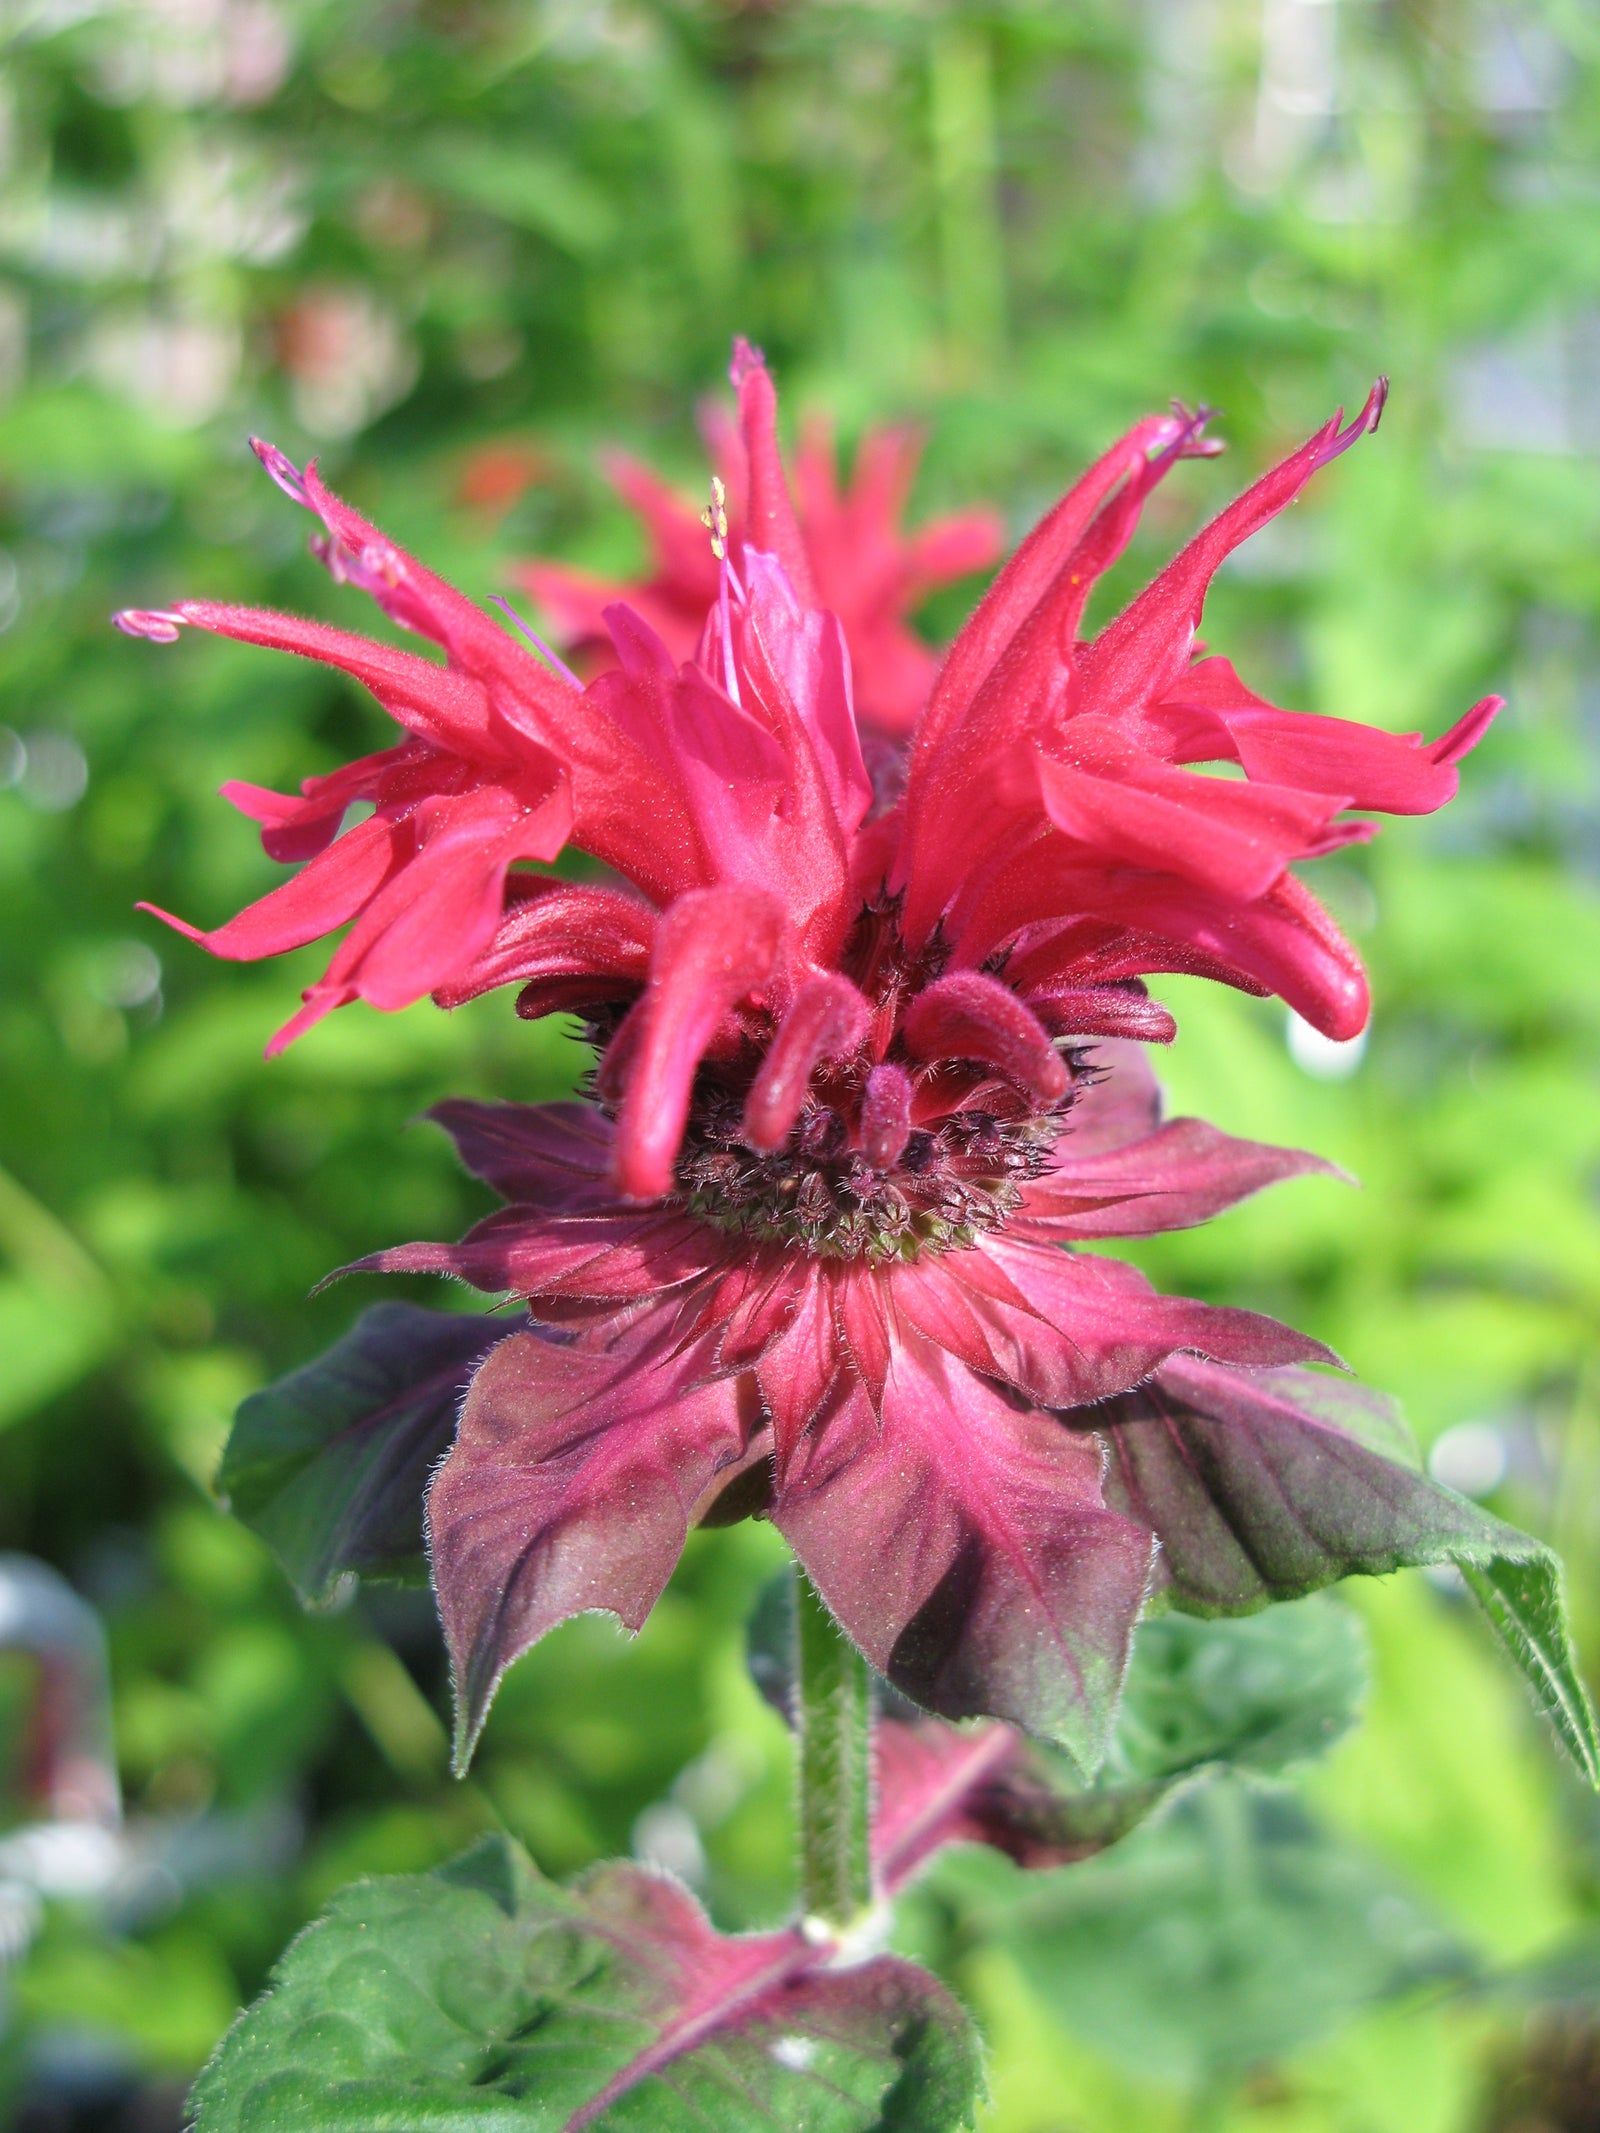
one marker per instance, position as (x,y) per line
(1469,1458)
(1323,1058)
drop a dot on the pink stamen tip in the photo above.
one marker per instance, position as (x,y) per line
(1364,423)
(1196,444)
(550,658)
(158,625)
(1184,437)
(283,471)
(746,358)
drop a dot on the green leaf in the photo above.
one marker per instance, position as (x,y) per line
(1230,1932)
(1521,1595)
(484,1996)
(1257,1694)
(1260,1692)
(330,1465)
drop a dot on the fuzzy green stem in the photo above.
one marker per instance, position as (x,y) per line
(833,1708)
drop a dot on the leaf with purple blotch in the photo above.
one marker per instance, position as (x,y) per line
(330,1464)
(482,1995)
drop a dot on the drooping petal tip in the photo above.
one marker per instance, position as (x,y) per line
(826,1017)
(969,1014)
(158,625)
(178,925)
(714,946)
(886,1116)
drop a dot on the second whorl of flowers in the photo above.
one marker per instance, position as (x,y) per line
(863,567)
(805,1254)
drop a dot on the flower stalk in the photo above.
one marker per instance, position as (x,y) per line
(833,1713)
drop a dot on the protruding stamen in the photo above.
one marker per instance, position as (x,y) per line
(715,520)
(283,471)
(1191,431)
(550,658)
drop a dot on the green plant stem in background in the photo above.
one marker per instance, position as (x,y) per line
(833,1711)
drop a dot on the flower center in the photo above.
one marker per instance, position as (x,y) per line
(959,1172)
(819,1194)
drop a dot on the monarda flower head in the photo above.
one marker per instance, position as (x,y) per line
(864,1081)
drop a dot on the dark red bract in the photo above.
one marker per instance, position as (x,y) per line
(874,1378)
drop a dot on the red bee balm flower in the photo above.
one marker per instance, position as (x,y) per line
(857,563)
(804,1253)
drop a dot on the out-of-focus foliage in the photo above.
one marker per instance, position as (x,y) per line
(453,247)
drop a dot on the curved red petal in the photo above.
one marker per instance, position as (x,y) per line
(826,1018)
(969,1015)
(711,948)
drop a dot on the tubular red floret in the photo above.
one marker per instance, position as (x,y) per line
(712,948)
(771,524)
(827,1017)
(886,1116)
(1053,828)
(969,1015)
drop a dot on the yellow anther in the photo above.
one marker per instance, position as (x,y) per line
(715,518)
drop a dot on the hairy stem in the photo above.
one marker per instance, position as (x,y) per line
(833,1712)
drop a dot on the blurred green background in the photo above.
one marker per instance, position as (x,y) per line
(453,247)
